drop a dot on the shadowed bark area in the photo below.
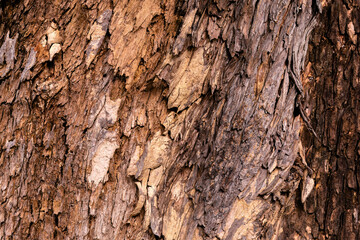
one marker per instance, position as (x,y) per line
(149,119)
(332,102)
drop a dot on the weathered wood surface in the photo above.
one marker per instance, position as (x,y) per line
(178,119)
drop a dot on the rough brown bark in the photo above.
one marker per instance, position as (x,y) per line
(179,119)
(331,78)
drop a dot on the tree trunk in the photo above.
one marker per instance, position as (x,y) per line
(149,119)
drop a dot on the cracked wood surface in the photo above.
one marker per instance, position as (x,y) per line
(178,119)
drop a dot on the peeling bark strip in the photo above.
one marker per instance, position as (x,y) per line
(7,54)
(149,119)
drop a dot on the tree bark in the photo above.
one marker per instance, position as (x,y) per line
(331,77)
(179,119)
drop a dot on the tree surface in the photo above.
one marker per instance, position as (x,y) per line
(152,119)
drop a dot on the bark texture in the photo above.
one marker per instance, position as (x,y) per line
(146,119)
(331,78)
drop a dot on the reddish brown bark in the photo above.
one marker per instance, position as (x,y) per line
(179,120)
